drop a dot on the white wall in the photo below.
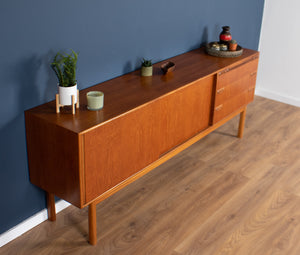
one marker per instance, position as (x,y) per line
(279,68)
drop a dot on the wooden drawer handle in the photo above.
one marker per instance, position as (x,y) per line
(220,91)
(250,89)
(224,71)
(219,108)
(252,74)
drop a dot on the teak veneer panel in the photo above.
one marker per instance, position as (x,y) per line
(53,154)
(119,149)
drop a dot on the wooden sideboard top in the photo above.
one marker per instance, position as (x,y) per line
(129,91)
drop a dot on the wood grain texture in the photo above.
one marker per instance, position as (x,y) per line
(185,113)
(123,147)
(222,195)
(165,158)
(53,154)
(119,149)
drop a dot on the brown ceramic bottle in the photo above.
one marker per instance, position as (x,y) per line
(225,35)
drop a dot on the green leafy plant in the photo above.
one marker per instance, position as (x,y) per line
(146,62)
(233,41)
(64,66)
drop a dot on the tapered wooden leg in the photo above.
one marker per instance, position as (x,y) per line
(51,207)
(73,104)
(242,123)
(92,224)
(57,103)
(77,104)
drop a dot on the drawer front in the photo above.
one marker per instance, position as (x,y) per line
(231,75)
(235,89)
(235,103)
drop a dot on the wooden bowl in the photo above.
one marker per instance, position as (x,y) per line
(167,67)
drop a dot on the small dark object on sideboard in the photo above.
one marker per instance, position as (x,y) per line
(168,67)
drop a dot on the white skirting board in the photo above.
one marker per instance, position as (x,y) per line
(30,223)
(277,97)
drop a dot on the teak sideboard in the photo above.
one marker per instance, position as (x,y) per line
(86,157)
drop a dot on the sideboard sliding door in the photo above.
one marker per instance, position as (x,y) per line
(120,148)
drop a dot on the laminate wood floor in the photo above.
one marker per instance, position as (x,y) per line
(223,195)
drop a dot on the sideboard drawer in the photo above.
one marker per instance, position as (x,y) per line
(224,109)
(224,93)
(235,88)
(236,73)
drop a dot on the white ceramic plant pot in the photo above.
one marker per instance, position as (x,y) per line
(65,94)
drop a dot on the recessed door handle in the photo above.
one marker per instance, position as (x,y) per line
(252,74)
(219,108)
(220,91)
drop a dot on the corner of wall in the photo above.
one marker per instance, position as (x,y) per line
(277,97)
(30,223)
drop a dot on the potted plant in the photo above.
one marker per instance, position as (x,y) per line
(232,45)
(64,66)
(147,67)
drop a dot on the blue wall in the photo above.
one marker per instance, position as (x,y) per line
(111,37)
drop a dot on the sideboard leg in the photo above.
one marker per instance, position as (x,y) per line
(242,123)
(51,206)
(92,224)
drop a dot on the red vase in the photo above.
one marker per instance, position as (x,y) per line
(225,36)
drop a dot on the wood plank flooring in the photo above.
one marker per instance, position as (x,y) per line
(223,195)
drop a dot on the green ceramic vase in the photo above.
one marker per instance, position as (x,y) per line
(146,71)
